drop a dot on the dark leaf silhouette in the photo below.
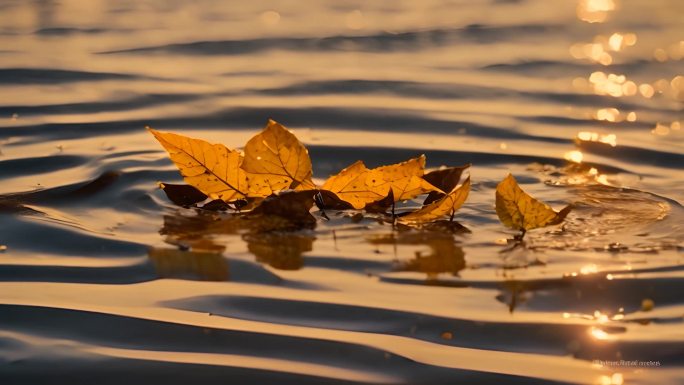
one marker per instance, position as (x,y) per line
(216,205)
(380,206)
(182,194)
(445,179)
(328,200)
(290,206)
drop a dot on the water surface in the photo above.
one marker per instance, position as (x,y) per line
(101,276)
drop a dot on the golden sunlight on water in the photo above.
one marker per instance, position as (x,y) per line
(106,279)
(595,11)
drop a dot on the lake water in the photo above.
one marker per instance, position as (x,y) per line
(103,280)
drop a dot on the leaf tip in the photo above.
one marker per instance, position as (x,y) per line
(422,159)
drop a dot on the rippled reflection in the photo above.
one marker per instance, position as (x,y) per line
(444,255)
(614,379)
(280,250)
(588,136)
(203,237)
(486,82)
(575,156)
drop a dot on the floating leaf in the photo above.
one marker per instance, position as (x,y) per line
(292,206)
(360,186)
(276,160)
(329,200)
(213,169)
(405,179)
(350,186)
(381,206)
(447,205)
(518,210)
(182,194)
(444,179)
(218,205)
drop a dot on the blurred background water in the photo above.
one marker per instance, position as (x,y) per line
(103,279)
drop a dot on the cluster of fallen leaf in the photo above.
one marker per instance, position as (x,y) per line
(273,176)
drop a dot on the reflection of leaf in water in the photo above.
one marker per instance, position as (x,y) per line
(280,250)
(174,263)
(513,293)
(445,256)
(197,232)
(271,238)
(447,226)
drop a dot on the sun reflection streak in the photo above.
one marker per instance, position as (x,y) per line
(600,317)
(615,379)
(588,136)
(594,11)
(599,334)
(607,114)
(598,50)
(574,156)
(589,269)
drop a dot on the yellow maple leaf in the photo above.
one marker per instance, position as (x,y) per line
(518,210)
(214,169)
(360,186)
(276,160)
(447,205)
(350,186)
(405,179)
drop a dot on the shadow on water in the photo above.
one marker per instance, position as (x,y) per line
(203,237)
(206,242)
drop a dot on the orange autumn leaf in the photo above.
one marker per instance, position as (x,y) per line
(276,160)
(360,186)
(447,205)
(213,169)
(405,179)
(350,186)
(518,210)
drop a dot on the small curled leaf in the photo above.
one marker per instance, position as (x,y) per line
(446,205)
(518,210)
